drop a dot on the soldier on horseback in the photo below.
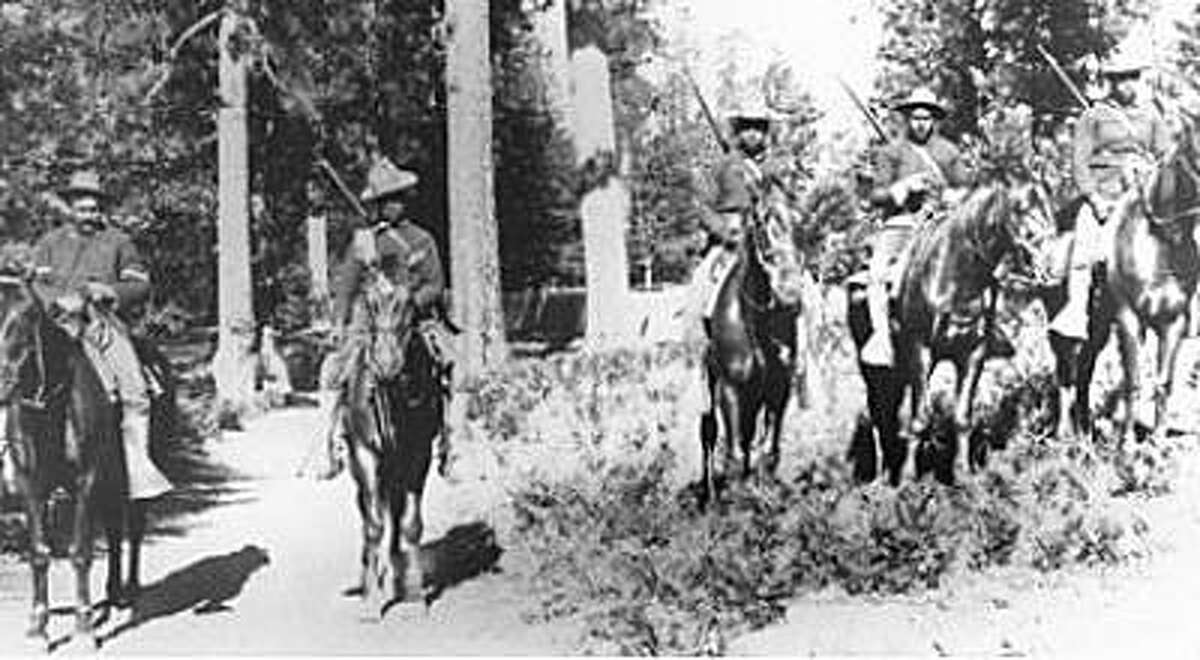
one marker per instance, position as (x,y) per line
(92,276)
(1117,143)
(395,252)
(911,174)
(740,184)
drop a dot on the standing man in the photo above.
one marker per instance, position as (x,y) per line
(403,254)
(911,173)
(1116,144)
(91,270)
(740,184)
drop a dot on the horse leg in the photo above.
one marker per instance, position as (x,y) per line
(708,444)
(364,469)
(136,521)
(749,404)
(39,562)
(777,393)
(406,544)
(114,536)
(1081,409)
(919,369)
(1067,355)
(731,415)
(1127,342)
(1169,339)
(967,377)
(81,560)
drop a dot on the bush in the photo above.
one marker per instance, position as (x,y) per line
(629,554)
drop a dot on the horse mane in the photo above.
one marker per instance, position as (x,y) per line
(1165,191)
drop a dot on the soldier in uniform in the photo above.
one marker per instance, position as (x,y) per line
(404,254)
(89,270)
(739,182)
(910,173)
(1116,143)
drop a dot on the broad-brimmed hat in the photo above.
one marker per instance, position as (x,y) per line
(1124,64)
(84,182)
(749,116)
(385,179)
(921,97)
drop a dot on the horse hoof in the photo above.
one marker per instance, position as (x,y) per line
(80,644)
(37,642)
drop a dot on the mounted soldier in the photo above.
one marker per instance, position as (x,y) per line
(93,278)
(911,174)
(1117,144)
(740,186)
(393,254)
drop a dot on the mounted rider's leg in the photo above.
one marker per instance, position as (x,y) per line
(886,265)
(110,349)
(439,340)
(1071,322)
(327,456)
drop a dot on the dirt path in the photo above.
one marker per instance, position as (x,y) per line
(256,566)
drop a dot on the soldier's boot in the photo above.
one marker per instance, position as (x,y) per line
(145,479)
(1072,320)
(878,350)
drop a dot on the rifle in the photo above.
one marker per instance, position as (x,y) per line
(1063,77)
(708,115)
(862,107)
(338,183)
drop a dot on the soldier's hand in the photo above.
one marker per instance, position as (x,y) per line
(100,293)
(69,304)
(899,192)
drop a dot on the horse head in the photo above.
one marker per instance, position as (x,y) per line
(1173,193)
(1029,221)
(19,310)
(774,249)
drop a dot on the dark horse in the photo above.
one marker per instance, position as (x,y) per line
(1148,284)
(751,349)
(945,310)
(65,434)
(393,411)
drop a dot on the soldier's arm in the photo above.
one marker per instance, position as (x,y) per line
(886,168)
(132,285)
(430,284)
(1160,136)
(1081,154)
(345,282)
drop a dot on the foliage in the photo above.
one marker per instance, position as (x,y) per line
(985,53)
(625,551)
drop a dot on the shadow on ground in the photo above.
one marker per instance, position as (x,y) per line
(203,587)
(463,553)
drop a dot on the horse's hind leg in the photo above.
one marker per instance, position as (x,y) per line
(708,445)
(777,390)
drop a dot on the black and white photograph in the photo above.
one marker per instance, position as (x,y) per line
(555,328)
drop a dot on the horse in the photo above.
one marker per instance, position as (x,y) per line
(750,354)
(65,435)
(1148,284)
(394,405)
(945,310)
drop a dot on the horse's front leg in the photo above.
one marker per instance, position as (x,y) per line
(966,384)
(39,559)
(364,470)
(708,442)
(919,365)
(1169,339)
(408,527)
(777,391)
(136,523)
(81,560)
(1128,329)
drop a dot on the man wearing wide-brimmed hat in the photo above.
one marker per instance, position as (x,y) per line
(739,186)
(90,270)
(910,174)
(1116,143)
(393,252)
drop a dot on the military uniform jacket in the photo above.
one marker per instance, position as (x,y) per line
(406,255)
(902,158)
(739,182)
(65,260)
(1106,136)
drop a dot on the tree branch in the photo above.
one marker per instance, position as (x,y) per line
(191,31)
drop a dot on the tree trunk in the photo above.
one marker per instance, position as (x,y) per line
(605,209)
(318,268)
(550,28)
(233,366)
(474,258)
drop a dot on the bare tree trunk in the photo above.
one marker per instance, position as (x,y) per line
(233,366)
(318,267)
(605,209)
(474,257)
(550,28)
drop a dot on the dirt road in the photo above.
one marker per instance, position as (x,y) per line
(254,562)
